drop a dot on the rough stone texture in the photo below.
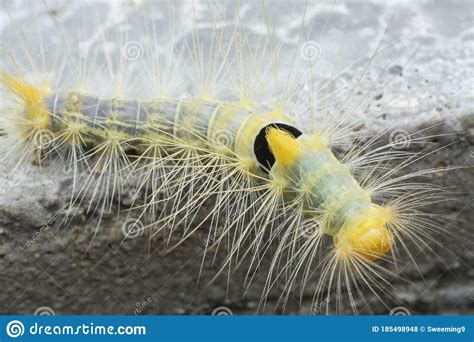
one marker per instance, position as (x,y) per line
(66,268)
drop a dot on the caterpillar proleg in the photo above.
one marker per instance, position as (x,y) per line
(211,120)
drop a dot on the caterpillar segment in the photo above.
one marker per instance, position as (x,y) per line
(308,167)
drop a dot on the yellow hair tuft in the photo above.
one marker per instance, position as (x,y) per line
(366,234)
(283,145)
(35,105)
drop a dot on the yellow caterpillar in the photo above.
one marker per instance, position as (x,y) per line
(272,174)
(303,165)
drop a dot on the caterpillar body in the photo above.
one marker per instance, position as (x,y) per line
(304,165)
(274,175)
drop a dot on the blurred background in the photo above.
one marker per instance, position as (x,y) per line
(421,76)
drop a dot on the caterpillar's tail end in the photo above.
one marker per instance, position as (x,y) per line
(33,97)
(27,122)
(366,235)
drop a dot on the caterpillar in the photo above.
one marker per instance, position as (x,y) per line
(228,119)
